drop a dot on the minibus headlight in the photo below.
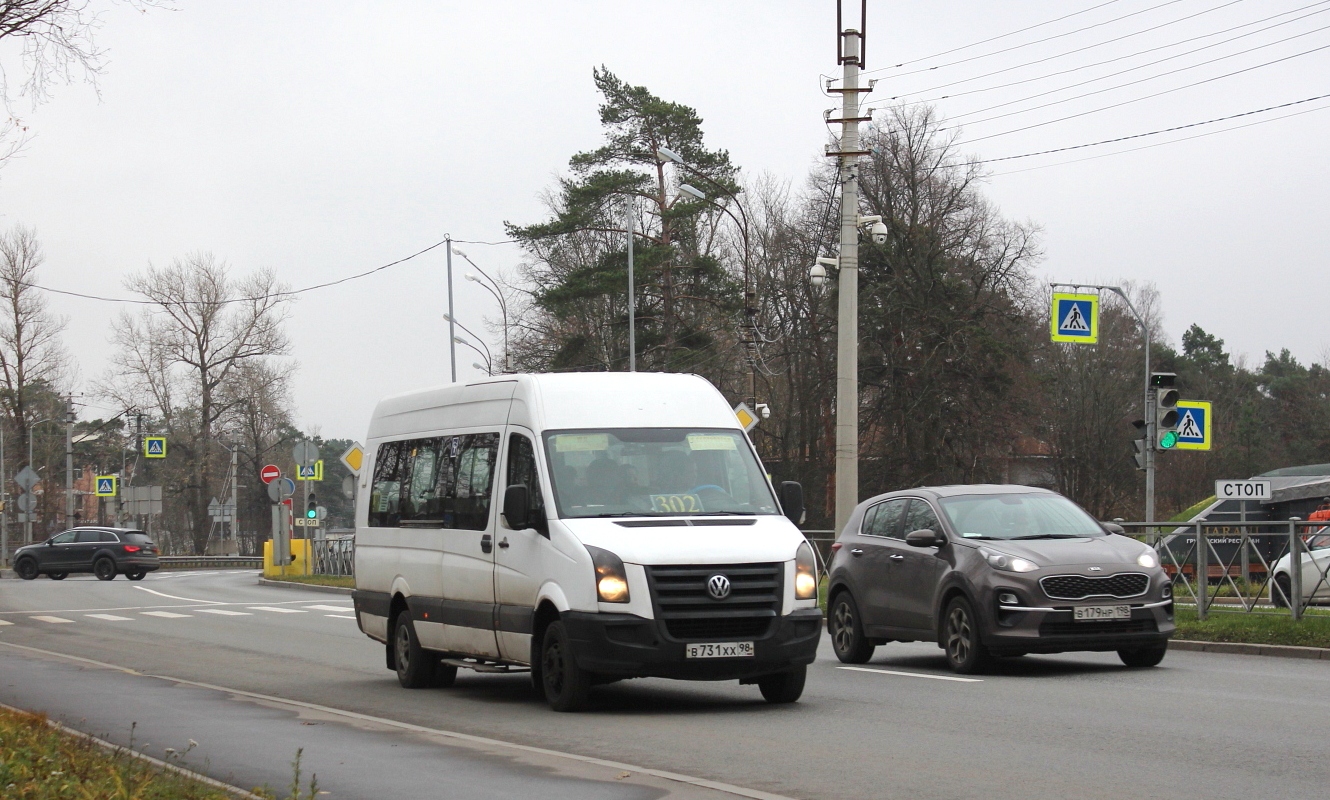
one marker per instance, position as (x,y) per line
(805,573)
(611,579)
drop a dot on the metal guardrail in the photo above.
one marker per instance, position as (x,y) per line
(334,556)
(1232,564)
(210,562)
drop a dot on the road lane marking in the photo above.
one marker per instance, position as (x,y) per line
(5,622)
(211,603)
(54,620)
(740,791)
(916,675)
(276,609)
(226,612)
(110,617)
(165,614)
(174,597)
(338,616)
(327,608)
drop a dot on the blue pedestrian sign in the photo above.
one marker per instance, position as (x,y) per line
(1195,425)
(1075,318)
(105,486)
(154,446)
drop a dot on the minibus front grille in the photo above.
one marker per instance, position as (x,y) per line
(679,595)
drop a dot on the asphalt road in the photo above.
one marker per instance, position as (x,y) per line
(1074,725)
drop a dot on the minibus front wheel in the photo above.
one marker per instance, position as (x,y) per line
(566,684)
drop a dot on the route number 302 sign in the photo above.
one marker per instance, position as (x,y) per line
(676,503)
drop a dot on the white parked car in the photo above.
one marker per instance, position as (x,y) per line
(587,526)
(1315,572)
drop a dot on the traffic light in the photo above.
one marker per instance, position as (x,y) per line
(1166,409)
(1139,443)
(312,504)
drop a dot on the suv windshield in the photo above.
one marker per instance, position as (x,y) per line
(1018,516)
(655,472)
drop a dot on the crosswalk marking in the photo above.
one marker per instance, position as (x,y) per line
(52,619)
(277,610)
(328,608)
(110,617)
(225,612)
(338,616)
(165,614)
(4,622)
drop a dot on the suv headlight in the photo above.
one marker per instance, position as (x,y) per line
(611,579)
(805,573)
(1148,559)
(1007,563)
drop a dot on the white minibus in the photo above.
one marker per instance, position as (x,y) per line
(588,527)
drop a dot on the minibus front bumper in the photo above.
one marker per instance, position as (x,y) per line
(629,646)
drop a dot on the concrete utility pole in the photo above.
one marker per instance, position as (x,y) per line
(847,288)
(4,505)
(632,293)
(452,329)
(69,462)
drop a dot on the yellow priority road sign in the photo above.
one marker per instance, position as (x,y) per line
(746,418)
(1075,318)
(353,458)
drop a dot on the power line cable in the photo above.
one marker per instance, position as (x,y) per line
(1070,33)
(1136,99)
(1162,144)
(281,295)
(1129,83)
(1151,133)
(1109,60)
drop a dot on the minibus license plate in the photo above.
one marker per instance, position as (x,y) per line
(719,650)
(1100,613)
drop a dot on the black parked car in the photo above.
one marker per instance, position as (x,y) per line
(994,571)
(105,552)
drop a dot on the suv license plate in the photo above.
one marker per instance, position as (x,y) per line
(719,650)
(1100,613)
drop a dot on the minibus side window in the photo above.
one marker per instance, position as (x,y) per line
(420,501)
(385,495)
(522,470)
(474,484)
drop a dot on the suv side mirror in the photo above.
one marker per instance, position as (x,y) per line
(1113,527)
(791,496)
(517,507)
(925,538)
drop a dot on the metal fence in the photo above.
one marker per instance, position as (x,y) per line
(211,562)
(1243,566)
(334,556)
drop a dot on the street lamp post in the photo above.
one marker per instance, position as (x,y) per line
(493,288)
(485,354)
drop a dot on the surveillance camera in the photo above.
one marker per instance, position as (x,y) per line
(817,275)
(764,410)
(880,232)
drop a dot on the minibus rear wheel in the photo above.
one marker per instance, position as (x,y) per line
(415,666)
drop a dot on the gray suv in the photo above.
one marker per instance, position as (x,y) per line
(991,571)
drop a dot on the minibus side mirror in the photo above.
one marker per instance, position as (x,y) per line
(791,496)
(517,507)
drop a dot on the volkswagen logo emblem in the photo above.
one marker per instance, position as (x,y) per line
(718,586)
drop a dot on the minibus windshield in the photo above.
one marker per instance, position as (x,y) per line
(649,472)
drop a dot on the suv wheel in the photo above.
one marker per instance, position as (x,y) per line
(136,575)
(104,569)
(784,687)
(960,637)
(57,576)
(847,633)
(1144,656)
(26,568)
(566,685)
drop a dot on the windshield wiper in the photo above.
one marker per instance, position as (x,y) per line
(626,514)
(978,536)
(1049,536)
(720,514)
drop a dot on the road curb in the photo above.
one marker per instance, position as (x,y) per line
(313,587)
(1244,649)
(8,573)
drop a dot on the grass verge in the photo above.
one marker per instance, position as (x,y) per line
(1270,628)
(344,581)
(38,762)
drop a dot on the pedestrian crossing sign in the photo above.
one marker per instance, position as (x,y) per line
(154,446)
(1195,425)
(314,472)
(1075,318)
(105,486)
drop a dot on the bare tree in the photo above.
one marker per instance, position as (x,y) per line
(31,354)
(258,422)
(177,358)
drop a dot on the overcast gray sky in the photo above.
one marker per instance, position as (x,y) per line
(324,138)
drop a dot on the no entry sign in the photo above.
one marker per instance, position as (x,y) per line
(270,473)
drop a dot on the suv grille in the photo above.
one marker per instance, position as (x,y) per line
(1078,587)
(679,594)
